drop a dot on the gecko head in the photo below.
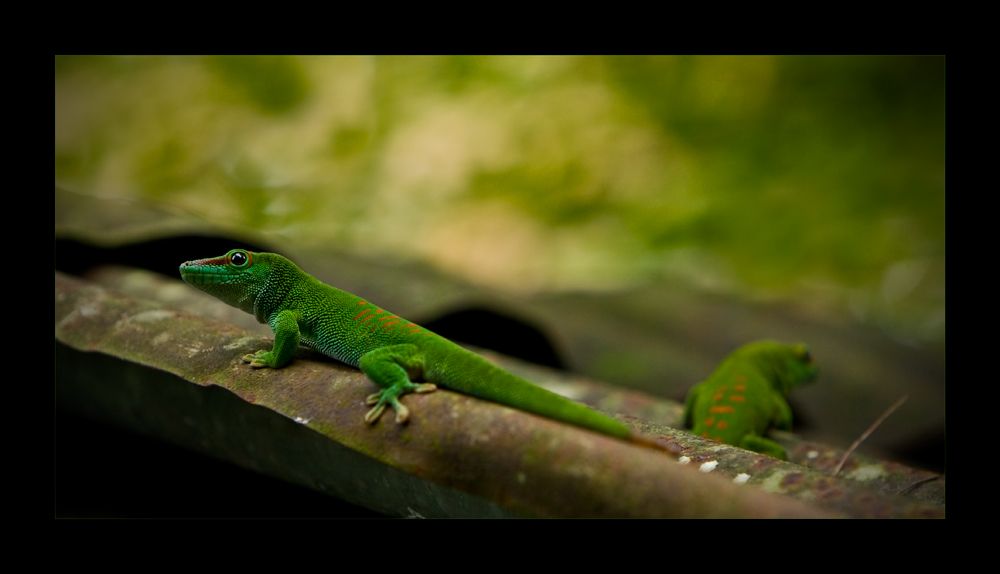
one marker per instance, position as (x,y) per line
(234,278)
(787,366)
(233,267)
(801,365)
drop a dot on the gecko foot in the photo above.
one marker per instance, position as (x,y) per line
(260,359)
(390,397)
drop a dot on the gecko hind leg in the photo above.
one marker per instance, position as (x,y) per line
(392,368)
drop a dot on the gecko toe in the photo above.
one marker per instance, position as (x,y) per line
(374,414)
(402,414)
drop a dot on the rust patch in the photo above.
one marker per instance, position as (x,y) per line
(793,479)
(827,490)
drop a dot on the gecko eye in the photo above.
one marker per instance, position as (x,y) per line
(239,258)
(802,354)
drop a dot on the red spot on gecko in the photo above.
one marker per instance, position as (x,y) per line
(722,425)
(738,398)
(721,410)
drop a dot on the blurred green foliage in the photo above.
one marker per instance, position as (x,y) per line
(272,84)
(810,177)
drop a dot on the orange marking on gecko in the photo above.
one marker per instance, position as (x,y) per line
(738,398)
(389,320)
(374,313)
(722,425)
(721,410)
(740,388)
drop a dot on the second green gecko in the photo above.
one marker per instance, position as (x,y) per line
(392,351)
(745,396)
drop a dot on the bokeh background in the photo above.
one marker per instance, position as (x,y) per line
(813,177)
(816,182)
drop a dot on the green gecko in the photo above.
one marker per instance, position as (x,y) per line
(746,395)
(392,351)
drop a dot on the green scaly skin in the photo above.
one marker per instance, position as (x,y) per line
(392,351)
(745,396)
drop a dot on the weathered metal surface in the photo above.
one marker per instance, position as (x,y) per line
(214,421)
(519,463)
(856,498)
(884,476)
(467,457)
